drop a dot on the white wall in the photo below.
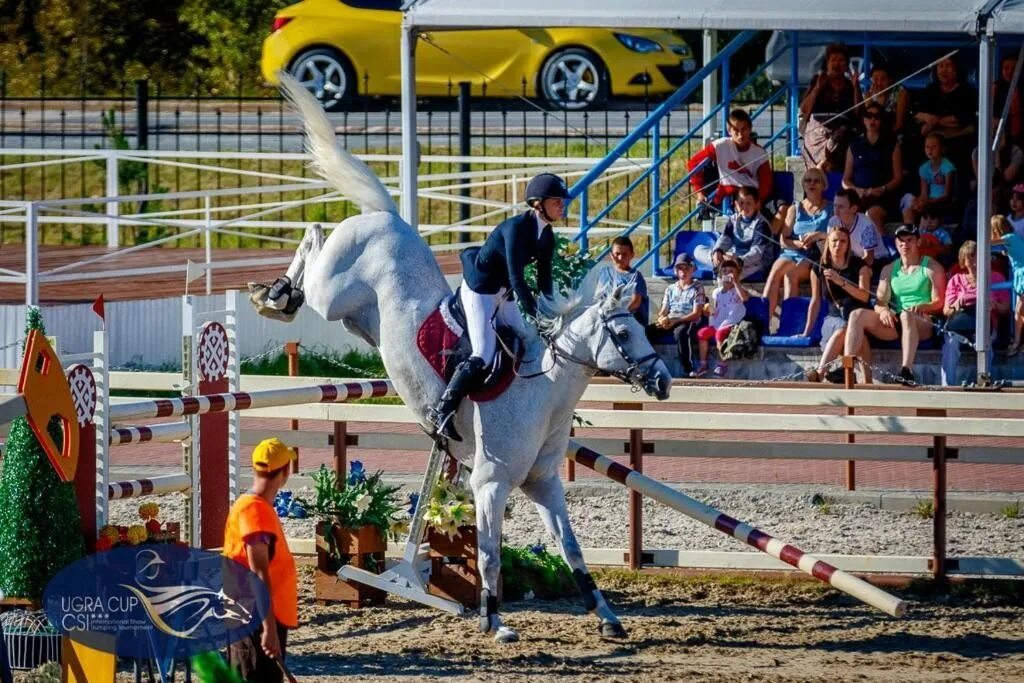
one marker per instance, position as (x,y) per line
(148,332)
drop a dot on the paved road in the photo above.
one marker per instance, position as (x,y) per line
(262,126)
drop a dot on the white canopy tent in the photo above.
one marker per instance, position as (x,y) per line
(983,18)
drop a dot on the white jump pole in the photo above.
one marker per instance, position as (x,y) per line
(809,564)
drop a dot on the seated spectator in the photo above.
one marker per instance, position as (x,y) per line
(827,110)
(746,237)
(948,106)
(865,239)
(845,281)
(911,290)
(938,182)
(740,161)
(1004,233)
(622,273)
(1000,91)
(1008,161)
(682,311)
(936,241)
(874,167)
(961,310)
(802,234)
(894,101)
(727,309)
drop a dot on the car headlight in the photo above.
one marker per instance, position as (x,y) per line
(638,44)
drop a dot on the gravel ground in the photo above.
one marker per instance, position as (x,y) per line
(598,514)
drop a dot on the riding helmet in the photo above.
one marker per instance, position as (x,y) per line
(546,186)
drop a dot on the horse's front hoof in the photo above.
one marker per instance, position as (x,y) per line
(611,629)
(484,623)
(258,296)
(506,635)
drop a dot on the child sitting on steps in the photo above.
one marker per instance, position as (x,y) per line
(727,308)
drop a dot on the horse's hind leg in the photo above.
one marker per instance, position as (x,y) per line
(490,497)
(282,299)
(549,497)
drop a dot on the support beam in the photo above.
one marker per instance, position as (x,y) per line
(410,146)
(985,164)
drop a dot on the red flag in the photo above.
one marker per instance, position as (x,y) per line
(97,307)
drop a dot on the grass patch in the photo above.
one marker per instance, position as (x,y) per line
(1011,511)
(925,509)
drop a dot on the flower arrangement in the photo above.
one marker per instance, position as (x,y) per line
(150,531)
(364,499)
(450,507)
(285,506)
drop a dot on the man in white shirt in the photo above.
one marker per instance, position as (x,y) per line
(865,241)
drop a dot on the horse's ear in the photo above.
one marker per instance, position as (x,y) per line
(616,297)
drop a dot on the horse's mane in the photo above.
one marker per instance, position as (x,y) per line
(554,312)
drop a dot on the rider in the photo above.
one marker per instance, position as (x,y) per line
(491,274)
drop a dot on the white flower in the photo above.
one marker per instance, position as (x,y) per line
(363,503)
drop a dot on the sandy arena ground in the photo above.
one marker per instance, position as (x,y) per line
(680,629)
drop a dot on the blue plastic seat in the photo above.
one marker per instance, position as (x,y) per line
(686,242)
(782,186)
(835,182)
(792,321)
(757,311)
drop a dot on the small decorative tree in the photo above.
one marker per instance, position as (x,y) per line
(40,528)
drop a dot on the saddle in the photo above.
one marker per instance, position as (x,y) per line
(443,341)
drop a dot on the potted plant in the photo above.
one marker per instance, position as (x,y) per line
(354,515)
(150,531)
(451,536)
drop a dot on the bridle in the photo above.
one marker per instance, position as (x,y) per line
(631,375)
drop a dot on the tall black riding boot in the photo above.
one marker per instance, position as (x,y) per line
(442,415)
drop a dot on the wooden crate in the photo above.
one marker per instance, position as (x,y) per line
(362,548)
(454,568)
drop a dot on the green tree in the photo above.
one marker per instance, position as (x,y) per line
(232,32)
(40,527)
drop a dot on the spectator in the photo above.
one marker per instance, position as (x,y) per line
(253,537)
(1016,216)
(961,310)
(727,309)
(845,281)
(682,311)
(622,273)
(804,229)
(893,100)
(1000,91)
(740,162)
(1004,233)
(936,241)
(1008,162)
(948,106)
(874,167)
(938,181)
(865,240)
(746,237)
(910,291)
(827,110)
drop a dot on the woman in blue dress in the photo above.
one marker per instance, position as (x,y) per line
(806,222)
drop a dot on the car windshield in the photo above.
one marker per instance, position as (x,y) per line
(394,5)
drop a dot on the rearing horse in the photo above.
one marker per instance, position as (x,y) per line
(380,279)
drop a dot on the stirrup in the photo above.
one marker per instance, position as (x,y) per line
(444,425)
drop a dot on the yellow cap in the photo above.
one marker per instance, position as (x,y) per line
(271,454)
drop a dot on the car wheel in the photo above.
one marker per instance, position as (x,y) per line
(327,74)
(574,78)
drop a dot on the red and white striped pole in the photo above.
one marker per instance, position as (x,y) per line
(837,578)
(242,400)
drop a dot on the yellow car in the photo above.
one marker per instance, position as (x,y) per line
(339,48)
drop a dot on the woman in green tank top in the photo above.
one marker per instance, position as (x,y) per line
(911,289)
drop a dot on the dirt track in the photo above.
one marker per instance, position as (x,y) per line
(679,629)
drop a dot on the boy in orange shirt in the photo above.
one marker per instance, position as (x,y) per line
(253,537)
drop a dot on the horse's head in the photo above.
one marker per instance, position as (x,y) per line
(617,343)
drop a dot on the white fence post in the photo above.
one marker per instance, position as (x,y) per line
(234,385)
(101,373)
(31,254)
(209,247)
(113,207)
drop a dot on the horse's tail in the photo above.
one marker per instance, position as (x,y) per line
(330,161)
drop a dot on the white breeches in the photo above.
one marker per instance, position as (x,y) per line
(480,309)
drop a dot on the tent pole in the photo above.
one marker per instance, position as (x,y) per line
(982,323)
(410,147)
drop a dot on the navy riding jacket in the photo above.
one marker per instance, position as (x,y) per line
(500,262)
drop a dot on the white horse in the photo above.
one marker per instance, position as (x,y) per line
(379,278)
